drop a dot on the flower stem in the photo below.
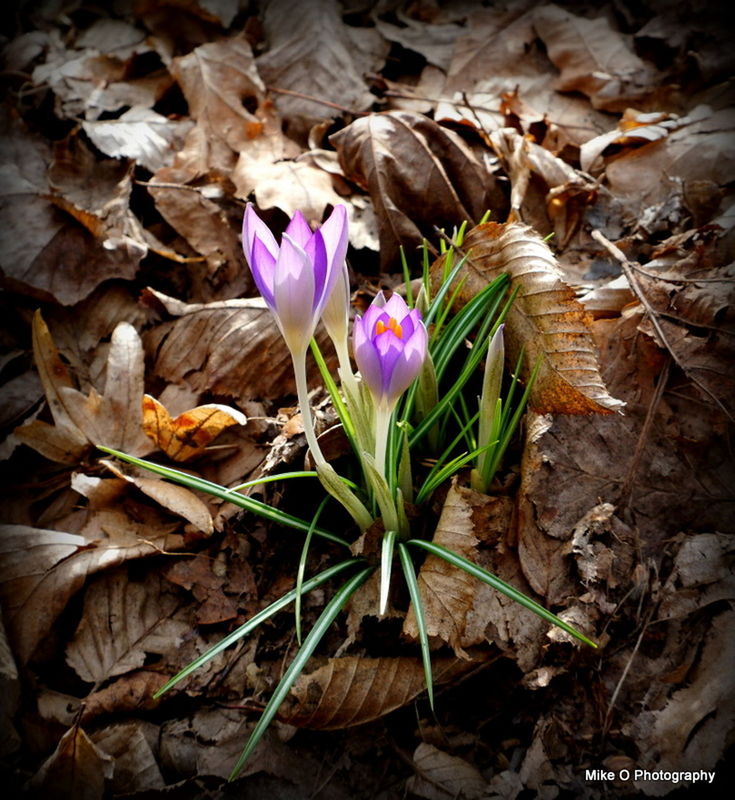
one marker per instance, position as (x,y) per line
(328,477)
(302,392)
(382,423)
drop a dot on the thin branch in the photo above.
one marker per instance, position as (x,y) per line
(321,102)
(629,271)
(626,491)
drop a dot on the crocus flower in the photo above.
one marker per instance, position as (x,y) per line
(389,344)
(296,278)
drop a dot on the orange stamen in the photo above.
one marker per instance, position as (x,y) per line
(393,325)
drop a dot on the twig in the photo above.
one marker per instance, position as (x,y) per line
(626,489)
(621,681)
(629,271)
(321,102)
(653,275)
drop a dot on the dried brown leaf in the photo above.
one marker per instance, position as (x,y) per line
(187,435)
(43,569)
(546,319)
(698,151)
(458,608)
(43,252)
(593,58)
(693,725)
(233,348)
(316,54)
(218,80)
(136,769)
(416,173)
(353,690)
(76,769)
(497,61)
(440,776)
(567,194)
(140,134)
(122,621)
(130,693)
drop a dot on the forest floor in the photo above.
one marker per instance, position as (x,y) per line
(131,141)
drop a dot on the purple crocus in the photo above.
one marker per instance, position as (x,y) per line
(297,278)
(389,344)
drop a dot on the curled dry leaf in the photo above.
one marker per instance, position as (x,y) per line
(233,348)
(353,690)
(77,768)
(593,58)
(411,165)
(62,441)
(218,80)
(175,498)
(122,622)
(440,776)
(316,54)
(44,253)
(136,769)
(186,436)
(568,191)
(458,608)
(140,134)
(130,693)
(696,720)
(545,320)
(698,150)
(112,418)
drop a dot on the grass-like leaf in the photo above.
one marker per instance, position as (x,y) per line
(438,476)
(492,580)
(258,619)
(302,568)
(335,605)
(418,608)
(248,503)
(386,562)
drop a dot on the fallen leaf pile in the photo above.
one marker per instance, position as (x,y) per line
(600,140)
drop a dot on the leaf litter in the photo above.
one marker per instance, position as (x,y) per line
(129,146)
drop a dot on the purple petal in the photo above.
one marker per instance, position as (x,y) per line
(389,348)
(408,366)
(317,254)
(252,226)
(374,313)
(293,292)
(262,265)
(298,229)
(336,238)
(366,358)
(396,307)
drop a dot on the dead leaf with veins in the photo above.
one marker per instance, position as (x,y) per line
(316,55)
(140,134)
(189,434)
(233,348)
(124,621)
(440,776)
(353,690)
(108,418)
(546,320)
(594,59)
(77,768)
(416,173)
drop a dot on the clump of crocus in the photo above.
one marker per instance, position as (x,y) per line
(296,280)
(389,343)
